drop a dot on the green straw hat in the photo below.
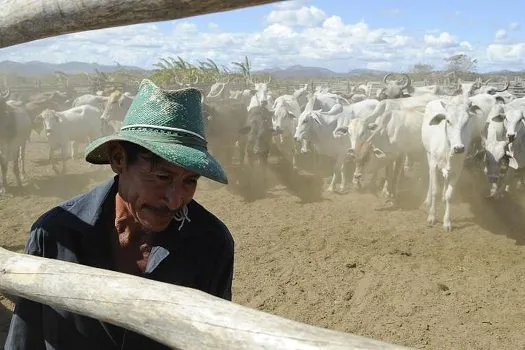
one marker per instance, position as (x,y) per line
(168,123)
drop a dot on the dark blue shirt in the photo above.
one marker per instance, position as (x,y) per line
(199,255)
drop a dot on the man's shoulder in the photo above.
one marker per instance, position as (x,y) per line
(84,207)
(209,224)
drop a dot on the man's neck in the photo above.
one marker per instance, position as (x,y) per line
(126,224)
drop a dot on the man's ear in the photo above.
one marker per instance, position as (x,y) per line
(117,156)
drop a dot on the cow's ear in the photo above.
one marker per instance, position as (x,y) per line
(438,118)
(343,130)
(379,153)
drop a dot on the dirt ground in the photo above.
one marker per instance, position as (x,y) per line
(344,261)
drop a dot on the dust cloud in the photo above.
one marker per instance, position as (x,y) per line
(346,261)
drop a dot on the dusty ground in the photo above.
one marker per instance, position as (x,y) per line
(346,261)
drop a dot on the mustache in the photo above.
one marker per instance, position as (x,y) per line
(164,211)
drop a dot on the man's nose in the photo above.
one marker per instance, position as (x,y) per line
(174,197)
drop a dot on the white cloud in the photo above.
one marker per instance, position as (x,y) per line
(445,39)
(306,16)
(294,33)
(466,45)
(185,27)
(514,25)
(513,54)
(384,65)
(500,34)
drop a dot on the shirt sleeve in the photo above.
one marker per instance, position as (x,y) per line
(25,330)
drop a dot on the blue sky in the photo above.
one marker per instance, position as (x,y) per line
(391,35)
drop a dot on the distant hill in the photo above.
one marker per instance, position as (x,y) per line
(36,68)
(304,71)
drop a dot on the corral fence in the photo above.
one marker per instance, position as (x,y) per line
(180,317)
(277,86)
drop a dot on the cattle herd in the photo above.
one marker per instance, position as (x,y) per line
(401,125)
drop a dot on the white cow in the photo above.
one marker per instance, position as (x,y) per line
(326,100)
(446,133)
(387,146)
(91,100)
(219,91)
(65,129)
(505,140)
(359,110)
(495,143)
(317,128)
(15,128)
(259,96)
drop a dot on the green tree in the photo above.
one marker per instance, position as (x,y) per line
(461,63)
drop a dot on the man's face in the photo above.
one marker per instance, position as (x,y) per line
(152,191)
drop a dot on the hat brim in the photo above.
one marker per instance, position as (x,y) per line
(199,161)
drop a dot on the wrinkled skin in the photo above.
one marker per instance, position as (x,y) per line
(150,193)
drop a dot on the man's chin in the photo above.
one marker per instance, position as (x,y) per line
(158,225)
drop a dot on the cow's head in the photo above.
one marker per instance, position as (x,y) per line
(259,131)
(495,144)
(259,92)
(394,88)
(282,117)
(50,120)
(456,120)
(306,124)
(514,123)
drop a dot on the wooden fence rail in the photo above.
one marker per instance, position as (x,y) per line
(179,317)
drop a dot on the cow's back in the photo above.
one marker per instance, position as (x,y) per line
(81,122)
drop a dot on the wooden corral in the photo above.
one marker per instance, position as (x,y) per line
(176,316)
(179,317)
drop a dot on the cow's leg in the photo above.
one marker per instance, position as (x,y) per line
(63,152)
(337,167)
(444,189)
(263,160)
(74,148)
(398,166)
(343,173)
(22,157)
(386,191)
(507,179)
(408,163)
(242,151)
(432,192)
(428,197)
(16,165)
(450,185)
(3,169)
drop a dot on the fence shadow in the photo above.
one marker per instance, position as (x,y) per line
(503,216)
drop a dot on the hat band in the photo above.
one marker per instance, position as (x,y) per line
(180,136)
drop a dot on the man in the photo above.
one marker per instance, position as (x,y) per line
(144,221)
